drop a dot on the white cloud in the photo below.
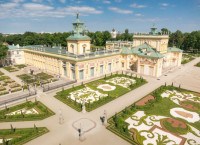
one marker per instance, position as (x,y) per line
(164,4)
(34,6)
(33,10)
(83,9)
(134,5)
(138,15)
(62,1)
(37,1)
(17,1)
(9,5)
(121,11)
(106,2)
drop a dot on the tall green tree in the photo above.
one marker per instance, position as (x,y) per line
(3,51)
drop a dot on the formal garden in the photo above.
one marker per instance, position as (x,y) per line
(40,78)
(27,111)
(14,68)
(187,57)
(99,92)
(169,115)
(8,85)
(19,136)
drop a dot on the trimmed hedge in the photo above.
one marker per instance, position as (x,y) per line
(21,135)
(44,112)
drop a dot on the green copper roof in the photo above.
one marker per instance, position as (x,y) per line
(78,32)
(172,49)
(11,47)
(46,49)
(148,51)
(78,37)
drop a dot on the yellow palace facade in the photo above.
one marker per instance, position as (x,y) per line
(79,63)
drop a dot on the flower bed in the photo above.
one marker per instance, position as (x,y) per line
(164,120)
(14,85)
(122,81)
(44,76)
(25,112)
(86,94)
(96,93)
(27,78)
(10,69)
(20,66)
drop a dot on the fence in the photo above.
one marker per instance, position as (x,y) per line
(48,88)
(29,94)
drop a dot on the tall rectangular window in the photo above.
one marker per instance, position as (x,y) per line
(92,72)
(101,69)
(109,67)
(81,75)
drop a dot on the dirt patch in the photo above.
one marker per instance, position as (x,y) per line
(106,87)
(176,123)
(189,106)
(184,114)
(145,100)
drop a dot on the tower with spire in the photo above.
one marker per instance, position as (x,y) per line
(78,42)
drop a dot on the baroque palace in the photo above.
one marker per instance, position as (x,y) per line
(147,54)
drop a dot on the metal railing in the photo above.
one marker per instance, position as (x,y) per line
(29,94)
(48,88)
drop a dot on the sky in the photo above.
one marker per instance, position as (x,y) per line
(19,16)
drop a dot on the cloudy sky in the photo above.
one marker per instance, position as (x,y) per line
(18,16)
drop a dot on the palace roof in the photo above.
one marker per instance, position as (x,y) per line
(143,50)
(13,47)
(173,49)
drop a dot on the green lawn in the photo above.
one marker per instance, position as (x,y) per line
(21,136)
(187,57)
(111,95)
(198,64)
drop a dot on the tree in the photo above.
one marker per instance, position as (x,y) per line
(106,37)
(3,53)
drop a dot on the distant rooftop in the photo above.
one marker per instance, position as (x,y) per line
(13,47)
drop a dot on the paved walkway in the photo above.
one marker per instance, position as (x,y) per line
(188,76)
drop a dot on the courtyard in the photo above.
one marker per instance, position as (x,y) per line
(65,133)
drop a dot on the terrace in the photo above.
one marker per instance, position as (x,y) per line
(63,52)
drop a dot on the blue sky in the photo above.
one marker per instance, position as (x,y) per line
(18,16)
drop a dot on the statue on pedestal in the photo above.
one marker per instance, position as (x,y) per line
(83,106)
